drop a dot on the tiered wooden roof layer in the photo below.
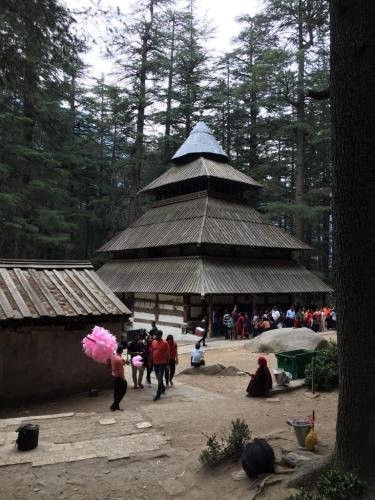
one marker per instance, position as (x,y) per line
(207,275)
(198,168)
(202,219)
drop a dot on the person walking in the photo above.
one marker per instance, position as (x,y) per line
(170,367)
(147,357)
(228,325)
(203,325)
(159,358)
(137,348)
(118,374)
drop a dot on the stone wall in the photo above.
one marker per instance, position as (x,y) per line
(44,362)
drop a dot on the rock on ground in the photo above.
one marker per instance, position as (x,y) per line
(216,369)
(286,339)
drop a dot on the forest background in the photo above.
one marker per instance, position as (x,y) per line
(73,156)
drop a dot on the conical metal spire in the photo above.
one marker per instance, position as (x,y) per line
(201,142)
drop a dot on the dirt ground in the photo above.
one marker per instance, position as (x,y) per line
(196,405)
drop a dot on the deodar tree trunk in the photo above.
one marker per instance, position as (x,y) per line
(353,127)
(300,159)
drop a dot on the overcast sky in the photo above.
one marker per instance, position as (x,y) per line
(222,14)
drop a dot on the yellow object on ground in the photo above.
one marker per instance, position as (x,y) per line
(311,439)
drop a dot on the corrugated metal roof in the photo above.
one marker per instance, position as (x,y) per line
(202,220)
(203,275)
(201,167)
(35,289)
(200,141)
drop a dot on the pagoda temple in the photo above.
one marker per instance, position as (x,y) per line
(203,246)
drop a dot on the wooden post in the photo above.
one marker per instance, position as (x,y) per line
(157,311)
(254,305)
(209,315)
(187,304)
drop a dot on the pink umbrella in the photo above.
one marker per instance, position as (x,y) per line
(99,345)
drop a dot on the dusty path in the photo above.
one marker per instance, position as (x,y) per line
(156,468)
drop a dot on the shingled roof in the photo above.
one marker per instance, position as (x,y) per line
(208,275)
(40,289)
(201,167)
(201,142)
(203,219)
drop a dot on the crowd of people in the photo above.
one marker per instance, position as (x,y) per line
(241,324)
(154,354)
(149,354)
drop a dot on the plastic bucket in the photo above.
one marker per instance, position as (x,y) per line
(301,429)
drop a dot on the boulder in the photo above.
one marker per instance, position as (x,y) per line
(216,369)
(286,339)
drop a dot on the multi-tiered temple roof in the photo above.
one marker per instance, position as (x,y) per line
(203,234)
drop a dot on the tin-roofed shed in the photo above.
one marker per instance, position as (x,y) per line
(203,245)
(46,308)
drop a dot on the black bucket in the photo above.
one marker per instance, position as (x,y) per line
(28,435)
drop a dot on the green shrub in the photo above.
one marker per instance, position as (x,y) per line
(229,446)
(325,368)
(340,486)
(333,485)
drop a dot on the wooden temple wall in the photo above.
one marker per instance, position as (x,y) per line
(174,310)
(162,308)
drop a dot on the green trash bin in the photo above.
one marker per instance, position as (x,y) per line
(294,362)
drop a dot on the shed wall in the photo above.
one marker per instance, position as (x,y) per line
(47,361)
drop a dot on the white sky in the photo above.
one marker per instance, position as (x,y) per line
(221,13)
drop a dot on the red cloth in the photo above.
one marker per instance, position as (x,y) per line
(240,325)
(262,361)
(160,352)
(172,350)
(117,363)
(261,382)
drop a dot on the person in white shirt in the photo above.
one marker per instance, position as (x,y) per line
(275,316)
(290,317)
(197,356)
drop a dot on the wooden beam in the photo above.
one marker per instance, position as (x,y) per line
(66,296)
(86,307)
(5,306)
(35,300)
(22,306)
(87,292)
(38,279)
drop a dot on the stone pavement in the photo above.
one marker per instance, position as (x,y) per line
(72,437)
(80,436)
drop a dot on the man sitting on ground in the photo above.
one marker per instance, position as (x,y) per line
(197,356)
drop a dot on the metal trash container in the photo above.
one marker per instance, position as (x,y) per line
(301,429)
